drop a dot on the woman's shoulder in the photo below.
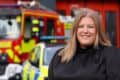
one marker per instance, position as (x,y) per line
(111,49)
(56,56)
(111,52)
(57,52)
(112,61)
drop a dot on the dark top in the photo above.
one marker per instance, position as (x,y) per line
(88,64)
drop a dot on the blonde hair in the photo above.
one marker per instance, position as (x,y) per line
(101,38)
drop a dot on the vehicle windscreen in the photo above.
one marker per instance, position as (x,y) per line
(9,24)
(9,29)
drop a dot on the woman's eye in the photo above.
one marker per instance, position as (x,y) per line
(91,26)
(80,26)
(88,26)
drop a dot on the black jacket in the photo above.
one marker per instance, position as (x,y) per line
(88,64)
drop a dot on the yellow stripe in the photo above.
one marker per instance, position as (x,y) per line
(27,46)
(25,75)
(17,47)
(13,56)
(40,77)
(10,53)
(5,44)
(16,59)
(32,74)
(26,70)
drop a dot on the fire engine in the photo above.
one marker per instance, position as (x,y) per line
(21,29)
(10,32)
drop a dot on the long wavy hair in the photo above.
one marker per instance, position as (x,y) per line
(101,38)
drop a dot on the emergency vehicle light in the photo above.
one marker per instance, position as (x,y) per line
(35,21)
(9,5)
(53,37)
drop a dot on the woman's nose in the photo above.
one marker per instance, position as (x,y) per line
(85,29)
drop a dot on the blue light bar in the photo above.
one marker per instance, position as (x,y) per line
(53,37)
(9,5)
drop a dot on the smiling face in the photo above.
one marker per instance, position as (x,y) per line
(86,32)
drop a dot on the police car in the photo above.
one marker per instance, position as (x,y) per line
(36,67)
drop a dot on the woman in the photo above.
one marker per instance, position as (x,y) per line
(88,55)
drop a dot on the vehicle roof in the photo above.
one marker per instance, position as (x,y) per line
(41,13)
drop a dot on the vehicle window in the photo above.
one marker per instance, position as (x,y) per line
(41,26)
(9,29)
(28,27)
(48,54)
(50,27)
(35,56)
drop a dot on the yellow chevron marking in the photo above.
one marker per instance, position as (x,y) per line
(5,44)
(16,59)
(10,53)
(12,56)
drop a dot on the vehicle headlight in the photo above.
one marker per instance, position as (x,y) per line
(13,69)
(3,58)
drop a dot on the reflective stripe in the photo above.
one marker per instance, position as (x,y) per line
(10,53)
(26,69)
(42,14)
(5,44)
(16,59)
(27,46)
(12,56)
(17,47)
(32,74)
(37,74)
